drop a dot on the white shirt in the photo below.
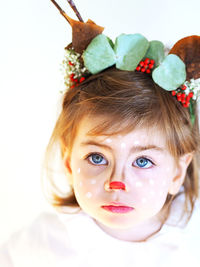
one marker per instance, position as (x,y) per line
(62,240)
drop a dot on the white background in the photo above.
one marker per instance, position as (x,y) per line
(32,39)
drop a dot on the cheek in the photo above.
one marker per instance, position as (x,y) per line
(150,188)
(85,184)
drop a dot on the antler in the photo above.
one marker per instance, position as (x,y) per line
(188,49)
(61,11)
(82,32)
(75,10)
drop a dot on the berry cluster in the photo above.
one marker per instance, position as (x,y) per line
(183,96)
(74,70)
(146,65)
(75,80)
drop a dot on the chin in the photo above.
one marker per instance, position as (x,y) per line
(118,223)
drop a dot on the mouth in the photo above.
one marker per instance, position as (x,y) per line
(117,208)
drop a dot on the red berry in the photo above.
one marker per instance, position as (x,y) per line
(147,60)
(183,95)
(82,79)
(148,71)
(173,93)
(138,68)
(70,63)
(143,69)
(150,66)
(142,63)
(183,87)
(188,98)
(152,61)
(179,97)
(186,104)
(75,80)
(72,77)
(72,86)
(191,94)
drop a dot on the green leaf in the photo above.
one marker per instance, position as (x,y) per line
(130,49)
(156,52)
(170,74)
(99,54)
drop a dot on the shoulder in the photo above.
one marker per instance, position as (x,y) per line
(36,242)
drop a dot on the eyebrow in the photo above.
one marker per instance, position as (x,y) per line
(133,149)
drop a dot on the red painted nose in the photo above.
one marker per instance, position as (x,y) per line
(117,185)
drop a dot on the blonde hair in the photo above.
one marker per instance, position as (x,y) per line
(130,99)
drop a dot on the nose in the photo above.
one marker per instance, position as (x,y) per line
(116,179)
(117,185)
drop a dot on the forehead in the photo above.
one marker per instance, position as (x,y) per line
(146,136)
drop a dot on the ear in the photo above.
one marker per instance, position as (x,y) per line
(67,164)
(180,173)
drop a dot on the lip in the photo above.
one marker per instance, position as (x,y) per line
(117,208)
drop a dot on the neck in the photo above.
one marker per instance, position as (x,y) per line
(138,233)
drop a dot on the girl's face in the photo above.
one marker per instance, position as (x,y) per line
(139,159)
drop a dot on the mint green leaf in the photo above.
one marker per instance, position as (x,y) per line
(156,52)
(99,54)
(130,50)
(170,74)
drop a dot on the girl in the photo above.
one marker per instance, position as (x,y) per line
(129,150)
(130,155)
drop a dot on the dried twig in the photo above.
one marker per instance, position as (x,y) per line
(61,11)
(71,2)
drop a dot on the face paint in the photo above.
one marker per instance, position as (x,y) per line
(151,182)
(138,184)
(123,145)
(108,140)
(144,200)
(89,195)
(79,170)
(143,183)
(136,142)
(152,193)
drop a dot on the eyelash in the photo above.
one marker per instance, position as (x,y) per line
(93,154)
(146,158)
(99,154)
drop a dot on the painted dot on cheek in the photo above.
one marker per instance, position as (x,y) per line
(108,140)
(152,193)
(81,184)
(136,142)
(93,181)
(144,200)
(151,182)
(138,184)
(88,195)
(79,170)
(161,194)
(123,145)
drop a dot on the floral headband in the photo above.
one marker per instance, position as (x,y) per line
(92,52)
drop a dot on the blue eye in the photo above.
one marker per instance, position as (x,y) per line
(97,159)
(143,163)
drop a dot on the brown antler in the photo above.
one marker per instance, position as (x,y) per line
(188,49)
(82,33)
(75,10)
